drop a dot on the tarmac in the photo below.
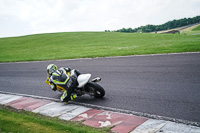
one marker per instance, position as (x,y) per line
(119,122)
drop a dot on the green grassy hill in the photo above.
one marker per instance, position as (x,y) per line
(93,44)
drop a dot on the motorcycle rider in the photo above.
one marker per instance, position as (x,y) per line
(64,77)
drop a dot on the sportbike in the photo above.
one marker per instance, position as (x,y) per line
(85,86)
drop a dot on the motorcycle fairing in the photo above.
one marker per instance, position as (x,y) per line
(83,79)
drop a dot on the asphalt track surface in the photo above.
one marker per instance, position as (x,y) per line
(164,85)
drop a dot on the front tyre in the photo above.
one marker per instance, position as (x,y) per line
(96,89)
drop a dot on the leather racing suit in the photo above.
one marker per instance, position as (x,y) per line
(67,79)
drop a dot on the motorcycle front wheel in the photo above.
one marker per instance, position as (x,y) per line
(96,89)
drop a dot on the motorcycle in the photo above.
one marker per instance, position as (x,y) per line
(85,86)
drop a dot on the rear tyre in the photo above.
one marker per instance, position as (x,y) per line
(96,89)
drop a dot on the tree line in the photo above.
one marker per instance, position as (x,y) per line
(165,26)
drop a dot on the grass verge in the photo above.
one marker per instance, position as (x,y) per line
(20,121)
(93,44)
(196,28)
(191,30)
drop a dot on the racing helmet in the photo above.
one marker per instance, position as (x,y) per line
(51,68)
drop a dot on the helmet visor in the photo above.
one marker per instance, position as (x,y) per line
(51,70)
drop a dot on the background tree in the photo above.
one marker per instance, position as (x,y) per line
(168,25)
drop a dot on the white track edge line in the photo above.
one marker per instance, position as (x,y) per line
(109,57)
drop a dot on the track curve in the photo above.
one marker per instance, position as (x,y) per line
(164,85)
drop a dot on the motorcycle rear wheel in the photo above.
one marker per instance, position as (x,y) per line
(96,89)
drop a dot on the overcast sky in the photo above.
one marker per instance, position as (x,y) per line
(24,17)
